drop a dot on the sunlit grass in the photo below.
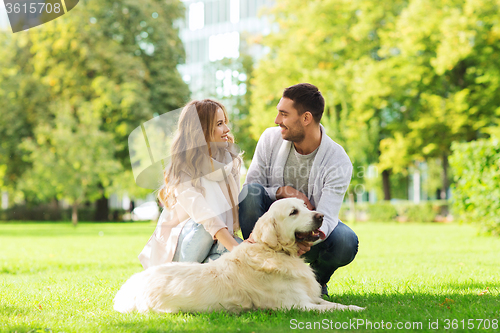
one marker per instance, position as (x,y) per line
(57,278)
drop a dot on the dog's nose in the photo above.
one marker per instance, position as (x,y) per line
(318,217)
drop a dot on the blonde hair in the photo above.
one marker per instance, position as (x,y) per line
(189,149)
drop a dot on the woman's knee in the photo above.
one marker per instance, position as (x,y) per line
(201,236)
(194,243)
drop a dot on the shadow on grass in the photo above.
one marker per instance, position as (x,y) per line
(395,308)
(415,308)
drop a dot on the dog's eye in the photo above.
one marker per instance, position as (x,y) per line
(294,212)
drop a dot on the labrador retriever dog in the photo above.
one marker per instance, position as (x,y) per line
(267,274)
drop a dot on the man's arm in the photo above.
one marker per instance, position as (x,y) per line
(332,195)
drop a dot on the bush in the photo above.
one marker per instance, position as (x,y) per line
(54,214)
(382,212)
(31,213)
(84,214)
(476,166)
(441,207)
(406,211)
(420,213)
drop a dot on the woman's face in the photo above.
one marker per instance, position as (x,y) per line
(221,129)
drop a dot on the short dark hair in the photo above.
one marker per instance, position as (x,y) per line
(306,97)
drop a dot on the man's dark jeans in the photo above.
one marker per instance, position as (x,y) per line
(337,250)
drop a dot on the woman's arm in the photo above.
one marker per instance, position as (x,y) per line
(196,206)
(226,239)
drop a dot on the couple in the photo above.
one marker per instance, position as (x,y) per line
(296,159)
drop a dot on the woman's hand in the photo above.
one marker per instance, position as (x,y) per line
(226,239)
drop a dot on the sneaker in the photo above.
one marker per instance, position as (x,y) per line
(324,290)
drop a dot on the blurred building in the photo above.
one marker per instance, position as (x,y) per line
(216,29)
(4,19)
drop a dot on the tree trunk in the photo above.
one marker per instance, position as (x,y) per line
(74,213)
(102,209)
(445,185)
(386,183)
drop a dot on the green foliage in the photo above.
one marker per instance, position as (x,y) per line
(47,212)
(434,175)
(70,158)
(405,211)
(420,213)
(382,212)
(335,45)
(476,166)
(3,168)
(58,278)
(99,72)
(24,213)
(23,100)
(437,52)
(402,79)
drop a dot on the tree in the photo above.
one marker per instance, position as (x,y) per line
(402,79)
(23,100)
(70,158)
(477,170)
(333,45)
(114,62)
(451,47)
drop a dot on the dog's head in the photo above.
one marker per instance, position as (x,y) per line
(287,222)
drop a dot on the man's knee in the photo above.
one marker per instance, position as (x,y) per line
(251,193)
(252,206)
(343,244)
(348,245)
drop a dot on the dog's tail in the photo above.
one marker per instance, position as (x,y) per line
(125,299)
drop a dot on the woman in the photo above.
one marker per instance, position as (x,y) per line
(200,192)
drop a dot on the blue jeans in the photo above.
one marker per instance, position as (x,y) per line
(337,250)
(195,244)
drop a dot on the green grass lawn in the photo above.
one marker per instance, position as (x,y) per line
(57,278)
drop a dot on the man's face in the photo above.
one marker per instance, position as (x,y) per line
(289,121)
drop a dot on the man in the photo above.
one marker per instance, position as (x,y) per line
(297,159)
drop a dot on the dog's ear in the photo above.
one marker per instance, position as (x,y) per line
(265,231)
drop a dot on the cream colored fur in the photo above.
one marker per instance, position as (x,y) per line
(264,275)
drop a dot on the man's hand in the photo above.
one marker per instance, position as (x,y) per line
(304,247)
(290,192)
(249,240)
